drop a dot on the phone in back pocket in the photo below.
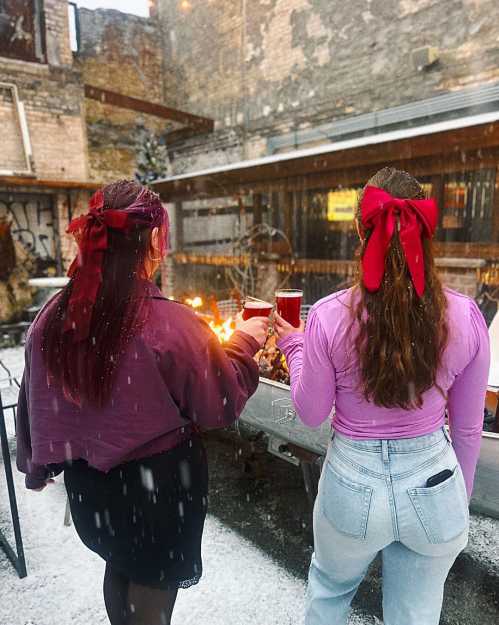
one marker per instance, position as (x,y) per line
(438,478)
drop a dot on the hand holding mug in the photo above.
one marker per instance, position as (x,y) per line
(257,327)
(283,329)
(288,305)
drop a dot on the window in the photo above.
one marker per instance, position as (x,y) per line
(21,32)
(467,207)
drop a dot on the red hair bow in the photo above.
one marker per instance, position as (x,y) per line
(418,218)
(90,232)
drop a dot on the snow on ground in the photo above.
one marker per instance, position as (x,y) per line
(13,359)
(241,584)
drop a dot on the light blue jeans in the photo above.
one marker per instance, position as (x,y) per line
(373,497)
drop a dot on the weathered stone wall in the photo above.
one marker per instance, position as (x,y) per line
(121,53)
(269,66)
(262,68)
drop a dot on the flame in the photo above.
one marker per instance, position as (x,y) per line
(195,302)
(223,330)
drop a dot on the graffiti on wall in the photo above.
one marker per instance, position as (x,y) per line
(33,226)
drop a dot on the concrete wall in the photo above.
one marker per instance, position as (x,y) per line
(121,53)
(269,66)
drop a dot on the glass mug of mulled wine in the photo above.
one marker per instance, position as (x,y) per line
(288,305)
(256,308)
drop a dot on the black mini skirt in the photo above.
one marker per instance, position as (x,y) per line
(145,517)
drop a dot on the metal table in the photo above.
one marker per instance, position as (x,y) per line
(8,401)
(271,410)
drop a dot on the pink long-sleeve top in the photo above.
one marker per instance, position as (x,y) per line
(175,376)
(325,379)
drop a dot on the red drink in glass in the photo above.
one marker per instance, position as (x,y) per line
(288,302)
(256,308)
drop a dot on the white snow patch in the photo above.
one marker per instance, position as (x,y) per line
(13,359)
(240,583)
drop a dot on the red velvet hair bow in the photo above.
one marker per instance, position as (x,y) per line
(90,232)
(417,218)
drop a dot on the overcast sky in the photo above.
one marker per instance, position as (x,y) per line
(138,7)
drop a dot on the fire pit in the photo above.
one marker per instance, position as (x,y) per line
(272,363)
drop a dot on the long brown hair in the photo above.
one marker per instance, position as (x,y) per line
(401,336)
(86,369)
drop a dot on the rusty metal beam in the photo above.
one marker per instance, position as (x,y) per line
(22,181)
(150,108)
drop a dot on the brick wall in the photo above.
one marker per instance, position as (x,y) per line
(53,102)
(121,53)
(12,147)
(57,33)
(465,282)
(53,99)
(269,66)
(52,95)
(461,274)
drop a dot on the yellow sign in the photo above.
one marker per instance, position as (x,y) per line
(341,205)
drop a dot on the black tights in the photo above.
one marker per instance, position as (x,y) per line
(128,603)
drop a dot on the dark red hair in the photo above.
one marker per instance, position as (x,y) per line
(86,369)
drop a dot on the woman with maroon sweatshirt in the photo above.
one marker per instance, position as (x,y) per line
(118,382)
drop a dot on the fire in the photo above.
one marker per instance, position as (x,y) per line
(224,330)
(195,302)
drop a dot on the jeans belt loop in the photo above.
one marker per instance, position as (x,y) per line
(384,451)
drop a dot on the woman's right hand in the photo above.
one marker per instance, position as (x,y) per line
(257,327)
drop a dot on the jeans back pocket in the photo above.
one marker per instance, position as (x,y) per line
(345,504)
(442,509)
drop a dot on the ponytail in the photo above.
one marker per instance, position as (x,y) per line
(401,334)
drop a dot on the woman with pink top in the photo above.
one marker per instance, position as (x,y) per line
(389,358)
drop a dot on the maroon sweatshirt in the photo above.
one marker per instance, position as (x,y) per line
(174,376)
